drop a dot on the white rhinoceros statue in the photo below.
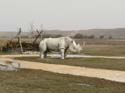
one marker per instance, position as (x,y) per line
(61,44)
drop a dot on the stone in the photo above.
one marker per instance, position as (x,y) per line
(9,66)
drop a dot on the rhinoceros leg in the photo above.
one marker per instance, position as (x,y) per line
(43,49)
(41,55)
(45,54)
(62,53)
(65,53)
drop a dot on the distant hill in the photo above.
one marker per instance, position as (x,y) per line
(115,33)
(10,34)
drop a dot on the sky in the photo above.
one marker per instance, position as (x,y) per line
(61,14)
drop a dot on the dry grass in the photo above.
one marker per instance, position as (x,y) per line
(36,81)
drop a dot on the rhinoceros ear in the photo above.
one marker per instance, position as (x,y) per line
(71,41)
(78,45)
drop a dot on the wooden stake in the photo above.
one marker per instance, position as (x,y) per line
(19,41)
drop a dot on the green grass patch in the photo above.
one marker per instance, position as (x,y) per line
(104,50)
(114,64)
(37,81)
(9,53)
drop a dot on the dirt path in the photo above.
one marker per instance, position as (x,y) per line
(69,56)
(112,75)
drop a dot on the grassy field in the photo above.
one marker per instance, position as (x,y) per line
(9,53)
(100,50)
(114,64)
(104,50)
(36,81)
(102,47)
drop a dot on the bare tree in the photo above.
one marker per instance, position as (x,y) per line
(32,29)
(39,34)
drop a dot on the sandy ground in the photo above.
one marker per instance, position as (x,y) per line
(113,75)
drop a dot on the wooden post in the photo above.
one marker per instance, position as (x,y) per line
(19,40)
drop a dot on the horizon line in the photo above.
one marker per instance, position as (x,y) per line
(65,29)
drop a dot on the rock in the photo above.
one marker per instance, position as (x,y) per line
(9,66)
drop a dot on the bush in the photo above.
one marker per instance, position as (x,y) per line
(110,37)
(78,35)
(101,37)
(91,37)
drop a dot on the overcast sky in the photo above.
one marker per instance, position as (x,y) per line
(61,14)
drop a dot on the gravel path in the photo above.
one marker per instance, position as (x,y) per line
(112,75)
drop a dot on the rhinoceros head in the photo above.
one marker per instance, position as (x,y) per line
(75,48)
